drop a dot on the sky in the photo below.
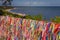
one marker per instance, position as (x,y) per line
(35,2)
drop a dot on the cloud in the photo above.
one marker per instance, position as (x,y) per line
(35,3)
(32,3)
(28,3)
(38,3)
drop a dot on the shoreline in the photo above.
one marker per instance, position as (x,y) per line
(9,10)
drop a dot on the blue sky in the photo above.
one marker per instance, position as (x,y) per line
(36,2)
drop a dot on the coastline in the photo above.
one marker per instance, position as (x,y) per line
(9,10)
(38,17)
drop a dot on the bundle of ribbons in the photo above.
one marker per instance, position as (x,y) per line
(12,28)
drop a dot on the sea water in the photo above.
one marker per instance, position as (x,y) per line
(46,11)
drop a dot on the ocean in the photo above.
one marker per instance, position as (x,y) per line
(46,11)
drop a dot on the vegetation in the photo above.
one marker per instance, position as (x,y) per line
(4,13)
(6,7)
(34,17)
(56,19)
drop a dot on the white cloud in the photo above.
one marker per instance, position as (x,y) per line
(27,3)
(36,3)
(33,3)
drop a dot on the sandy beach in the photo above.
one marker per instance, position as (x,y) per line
(9,10)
